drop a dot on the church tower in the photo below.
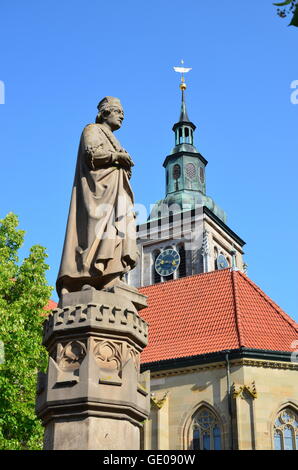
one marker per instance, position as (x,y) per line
(186,232)
(185,166)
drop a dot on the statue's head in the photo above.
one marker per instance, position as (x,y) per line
(110,111)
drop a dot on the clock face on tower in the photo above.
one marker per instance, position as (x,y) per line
(222,262)
(167,262)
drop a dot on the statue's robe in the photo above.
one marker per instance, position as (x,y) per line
(100,241)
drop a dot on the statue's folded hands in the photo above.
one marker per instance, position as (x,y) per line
(96,154)
(124,159)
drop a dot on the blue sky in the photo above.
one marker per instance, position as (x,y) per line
(58,59)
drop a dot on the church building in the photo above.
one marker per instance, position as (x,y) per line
(221,353)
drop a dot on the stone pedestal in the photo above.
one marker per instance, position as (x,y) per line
(93,395)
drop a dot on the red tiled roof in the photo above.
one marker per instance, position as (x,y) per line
(51,304)
(216,311)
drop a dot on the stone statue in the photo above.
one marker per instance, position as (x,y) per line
(93,396)
(100,241)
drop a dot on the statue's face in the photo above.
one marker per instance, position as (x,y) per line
(114,118)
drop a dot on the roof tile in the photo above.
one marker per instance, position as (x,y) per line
(213,312)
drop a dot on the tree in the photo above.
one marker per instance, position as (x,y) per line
(290,8)
(24,293)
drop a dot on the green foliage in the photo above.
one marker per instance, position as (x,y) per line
(23,294)
(291,9)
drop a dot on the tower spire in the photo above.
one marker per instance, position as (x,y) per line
(183,114)
(185,167)
(184,128)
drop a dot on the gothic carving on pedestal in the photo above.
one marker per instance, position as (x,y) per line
(108,356)
(70,357)
(135,357)
(64,365)
(95,339)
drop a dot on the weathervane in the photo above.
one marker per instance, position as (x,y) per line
(182,70)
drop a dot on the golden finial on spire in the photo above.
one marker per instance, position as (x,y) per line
(182,70)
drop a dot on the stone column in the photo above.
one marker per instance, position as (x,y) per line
(93,395)
(244,396)
(163,424)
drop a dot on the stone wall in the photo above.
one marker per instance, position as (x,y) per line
(259,390)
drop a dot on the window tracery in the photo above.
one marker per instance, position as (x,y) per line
(206,431)
(286,430)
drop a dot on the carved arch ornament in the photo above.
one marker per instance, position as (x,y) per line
(158,402)
(135,356)
(108,355)
(70,356)
(241,390)
(112,357)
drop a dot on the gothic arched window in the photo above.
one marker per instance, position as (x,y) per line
(206,431)
(286,430)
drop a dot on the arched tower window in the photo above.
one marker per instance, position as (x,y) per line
(215,257)
(186,132)
(286,430)
(176,175)
(156,278)
(184,135)
(202,175)
(190,171)
(182,265)
(206,430)
(176,171)
(180,136)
